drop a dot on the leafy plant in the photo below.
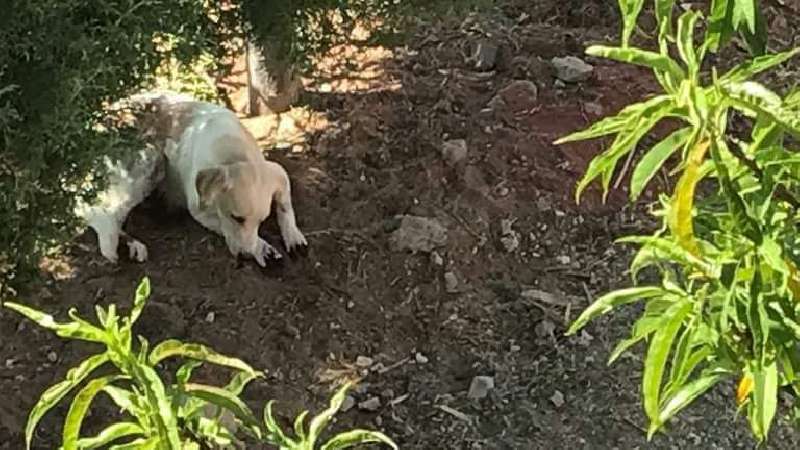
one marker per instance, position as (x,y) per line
(154,409)
(183,415)
(727,304)
(306,439)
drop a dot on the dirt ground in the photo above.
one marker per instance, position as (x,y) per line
(521,259)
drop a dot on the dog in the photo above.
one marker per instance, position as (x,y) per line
(214,169)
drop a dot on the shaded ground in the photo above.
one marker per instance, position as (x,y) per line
(370,150)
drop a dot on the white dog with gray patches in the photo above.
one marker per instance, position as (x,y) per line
(214,169)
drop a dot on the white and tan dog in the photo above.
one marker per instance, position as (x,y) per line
(216,171)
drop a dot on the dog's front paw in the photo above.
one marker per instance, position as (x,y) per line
(293,238)
(137,251)
(264,252)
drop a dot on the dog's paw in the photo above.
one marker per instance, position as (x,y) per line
(265,252)
(293,238)
(137,251)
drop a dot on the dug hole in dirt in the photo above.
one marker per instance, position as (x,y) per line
(456,312)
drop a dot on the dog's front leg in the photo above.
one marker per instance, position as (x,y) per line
(292,236)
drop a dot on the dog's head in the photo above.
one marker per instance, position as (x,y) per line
(241,196)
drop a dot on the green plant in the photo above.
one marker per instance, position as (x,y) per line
(155,409)
(165,416)
(307,439)
(728,304)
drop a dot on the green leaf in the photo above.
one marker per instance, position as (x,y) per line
(644,327)
(640,58)
(198,352)
(274,429)
(745,11)
(142,294)
(112,433)
(80,405)
(122,398)
(73,330)
(682,204)
(686,395)
(652,161)
(752,67)
(670,251)
(357,437)
(685,41)
(664,16)
(613,299)
(55,393)
(656,360)
(765,399)
(138,444)
(617,123)
(630,10)
(224,399)
(754,98)
(166,423)
(184,372)
(745,224)
(720,27)
(604,164)
(321,420)
(299,429)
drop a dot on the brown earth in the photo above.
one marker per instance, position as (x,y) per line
(365,147)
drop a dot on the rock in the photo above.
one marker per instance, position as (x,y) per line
(52,357)
(557,399)
(517,96)
(509,238)
(593,108)
(348,403)
(558,84)
(418,234)
(572,69)
(450,283)
(484,55)
(437,259)
(420,358)
(545,328)
(480,386)
(563,260)
(364,361)
(370,404)
(210,317)
(454,151)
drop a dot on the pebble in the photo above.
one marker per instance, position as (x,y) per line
(52,357)
(454,151)
(480,386)
(210,317)
(557,399)
(364,361)
(370,404)
(572,69)
(420,358)
(563,260)
(348,403)
(484,55)
(450,283)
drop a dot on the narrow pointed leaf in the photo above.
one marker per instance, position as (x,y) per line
(142,294)
(73,330)
(116,431)
(640,58)
(613,299)
(55,393)
(357,437)
(224,399)
(321,420)
(652,161)
(630,10)
(765,399)
(618,122)
(682,205)
(171,348)
(79,407)
(686,395)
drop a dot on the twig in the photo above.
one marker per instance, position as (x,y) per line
(624,169)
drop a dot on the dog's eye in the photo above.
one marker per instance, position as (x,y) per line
(237,219)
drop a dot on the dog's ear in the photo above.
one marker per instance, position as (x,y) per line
(210,182)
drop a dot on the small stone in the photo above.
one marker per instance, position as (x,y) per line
(559,84)
(348,403)
(480,386)
(450,283)
(509,237)
(572,69)
(515,348)
(364,361)
(437,259)
(210,317)
(52,357)
(563,260)
(420,358)
(351,304)
(545,328)
(557,399)
(593,108)
(418,234)
(370,404)
(484,55)
(454,151)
